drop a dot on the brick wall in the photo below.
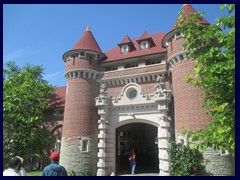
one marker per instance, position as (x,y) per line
(84,63)
(175,46)
(80,117)
(187,99)
(157,67)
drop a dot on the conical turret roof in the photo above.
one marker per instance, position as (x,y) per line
(87,42)
(186,10)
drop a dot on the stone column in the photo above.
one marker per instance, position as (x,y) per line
(162,99)
(163,144)
(101,165)
(102,104)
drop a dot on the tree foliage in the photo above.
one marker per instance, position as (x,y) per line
(25,97)
(213,48)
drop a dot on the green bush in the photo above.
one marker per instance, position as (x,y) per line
(71,173)
(185,161)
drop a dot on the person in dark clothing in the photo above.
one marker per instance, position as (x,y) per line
(54,169)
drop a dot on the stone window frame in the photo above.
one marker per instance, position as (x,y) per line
(129,88)
(131,93)
(86,141)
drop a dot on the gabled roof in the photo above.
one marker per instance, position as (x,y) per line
(87,42)
(126,40)
(115,53)
(144,37)
(186,10)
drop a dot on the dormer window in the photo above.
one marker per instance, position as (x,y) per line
(146,41)
(144,45)
(126,45)
(124,49)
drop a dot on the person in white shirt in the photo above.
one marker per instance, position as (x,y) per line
(13,165)
(21,170)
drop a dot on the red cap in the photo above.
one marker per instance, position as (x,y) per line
(55,156)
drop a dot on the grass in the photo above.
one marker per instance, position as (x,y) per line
(34,173)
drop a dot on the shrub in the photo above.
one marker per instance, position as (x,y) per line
(71,173)
(185,161)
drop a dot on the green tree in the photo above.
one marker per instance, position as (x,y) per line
(25,97)
(213,48)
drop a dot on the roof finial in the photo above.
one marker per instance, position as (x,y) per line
(88,29)
(186,5)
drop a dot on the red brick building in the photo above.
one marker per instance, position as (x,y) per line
(132,96)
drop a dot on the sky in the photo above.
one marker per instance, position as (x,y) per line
(39,34)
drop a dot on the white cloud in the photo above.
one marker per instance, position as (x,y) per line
(14,55)
(36,51)
(20,53)
(55,75)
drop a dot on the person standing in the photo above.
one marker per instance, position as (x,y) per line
(13,165)
(54,169)
(21,170)
(132,159)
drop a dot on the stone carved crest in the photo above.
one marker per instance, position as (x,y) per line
(103,92)
(161,86)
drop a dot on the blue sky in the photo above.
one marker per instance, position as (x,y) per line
(40,34)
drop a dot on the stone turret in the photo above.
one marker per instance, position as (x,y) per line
(188,113)
(79,139)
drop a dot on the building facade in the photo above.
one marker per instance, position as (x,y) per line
(132,96)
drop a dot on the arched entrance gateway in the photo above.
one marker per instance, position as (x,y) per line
(143,138)
(137,120)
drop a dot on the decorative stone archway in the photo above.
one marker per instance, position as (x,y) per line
(132,106)
(142,137)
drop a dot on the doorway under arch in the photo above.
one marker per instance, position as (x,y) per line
(143,138)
